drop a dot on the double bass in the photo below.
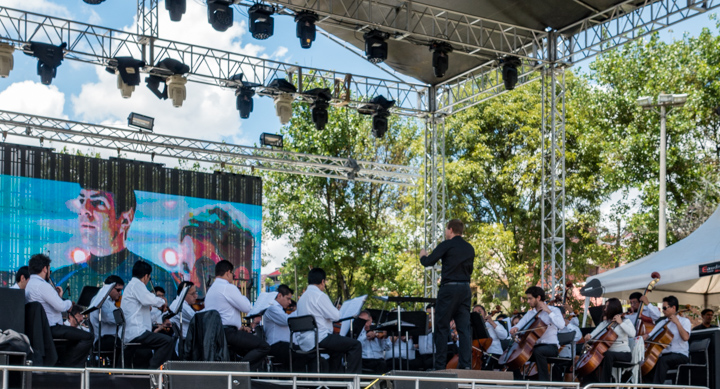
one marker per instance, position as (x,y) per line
(520,351)
(643,325)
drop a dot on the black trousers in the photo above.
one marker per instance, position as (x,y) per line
(252,348)
(540,354)
(426,360)
(280,352)
(375,366)
(338,346)
(77,348)
(453,303)
(162,345)
(491,362)
(666,362)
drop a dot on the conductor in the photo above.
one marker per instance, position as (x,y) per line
(453,300)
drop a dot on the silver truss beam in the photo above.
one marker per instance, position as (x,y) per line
(552,252)
(147,14)
(95,44)
(406,19)
(435,198)
(147,143)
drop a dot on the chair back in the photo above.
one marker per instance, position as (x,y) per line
(699,348)
(302,323)
(566,337)
(119,317)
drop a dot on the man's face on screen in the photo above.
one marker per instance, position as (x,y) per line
(99,226)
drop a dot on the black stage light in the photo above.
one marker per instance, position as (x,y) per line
(153,83)
(440,59)
(376,49)
(128,73)
(261,21)
(93,1)
(49,58)
(319,107)
(305,29)
(244,101)
(379,108)
(220,15)
(510,72)
(176,8)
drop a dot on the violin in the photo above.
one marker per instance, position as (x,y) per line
(199,305)
(118,302)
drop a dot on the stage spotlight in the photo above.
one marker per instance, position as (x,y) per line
(176,8)
(128,73)
(6,59)
(141,121)
(170,72)
(305,29)
(272,140)
(94,2)
(440,59)
(321,101)
(220,15)
(261,21)
(379,108)
(282,92)
(244,101)
(376,48)
(176,89)
(510,72)
(49,58)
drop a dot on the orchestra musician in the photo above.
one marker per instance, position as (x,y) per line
(678,351)
(402,355)
(136,303)
(497,332)
(707,316)
(225,297)
(547,345)
(426,346)
(187,310)
(157,314)
(39,289)
(277,332)
(21,278)
(108,326)
(372,346)
(560,367)
(650,311)
(454,297)
(316,303)
(619,351)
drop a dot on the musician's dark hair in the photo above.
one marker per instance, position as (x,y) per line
(116,279)
(483,308)
(671,301)
(22,272)
(536,292)
(457,226)
(706,310)
(316,275)
(159,289)
(223,267)
(183,284)
(365,311)
(141,269)
(635,296)
(75,309)
(37,263)
(501,316)
(613,307)
(284,290)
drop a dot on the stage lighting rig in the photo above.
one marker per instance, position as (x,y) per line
(244,92)
(128,73)
(49,58)
(283,94)
(176,8)
(379,108)
(376,49)
(509,71)
(261,21)
(272,140)
(219,14)
(305,29)
(170,72)
(320,98)
(440,60)
(141,122)
(6,59)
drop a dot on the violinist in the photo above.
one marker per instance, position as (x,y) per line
(372,346)
(678,351)
(497,332)
(619,351)
(547,345)
(560,367)
(187,310)
(650,312)
(277,332)
(108,326)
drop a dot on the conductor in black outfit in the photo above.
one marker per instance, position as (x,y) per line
(453,299)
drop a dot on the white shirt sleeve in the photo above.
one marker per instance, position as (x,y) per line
(628,327)
(651,311)
(146,297)
(277,316)
(524,320)
(237,300)
(556,318)
(54,300)
(500,330)
(328,309)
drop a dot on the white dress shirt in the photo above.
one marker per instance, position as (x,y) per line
(496,333)
(187,314)
(566,352)
(136,304)
(554,320)
(677,345)
(275,321)
(400,350)
(108,320)
(16,286)
(650,310)
(371,349)
(227,300)
(316,303)
(41,291)
(425,344)
(156,315)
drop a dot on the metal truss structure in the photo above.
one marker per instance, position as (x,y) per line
(147,14)
(435,195)
(156,145)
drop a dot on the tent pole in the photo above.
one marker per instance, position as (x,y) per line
(585,315)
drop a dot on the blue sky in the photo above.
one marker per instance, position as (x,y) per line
(87,93)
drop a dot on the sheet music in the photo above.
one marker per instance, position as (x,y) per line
(101,294)
(262,303)
(349,310)
(175,306)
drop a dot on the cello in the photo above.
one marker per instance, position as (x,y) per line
(520,351)
(594,350)
(655,344)
(643,325)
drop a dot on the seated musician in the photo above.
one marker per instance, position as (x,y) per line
(76,319)
(225,297)
(560,368)
(372,346)
(277,332)
(547,345)
(650,312)
(678,351)
(38,289)
(707,316)
(21,278)
(425,345)
(136,303)
(402,354)
(187,310)
(108,326)
(497,332)
(316,303)
(619,351)
(156,314)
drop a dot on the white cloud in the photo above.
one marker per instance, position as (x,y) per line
(33,98)
(39,6)
(277,251)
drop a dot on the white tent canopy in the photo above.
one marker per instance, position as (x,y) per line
(679,267)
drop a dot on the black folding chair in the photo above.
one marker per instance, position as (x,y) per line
(303,324)
(119,316)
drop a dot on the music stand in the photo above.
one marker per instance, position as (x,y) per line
(479,329)
(87,295)
(350,310)
(261,305)
(178,307)
(96,305)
